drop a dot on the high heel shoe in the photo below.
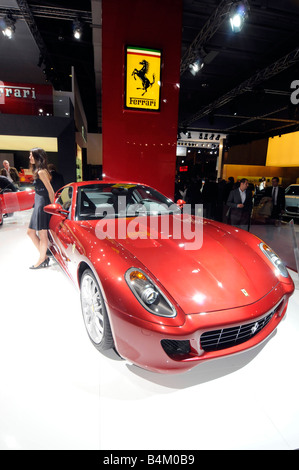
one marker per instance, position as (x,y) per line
(44,264)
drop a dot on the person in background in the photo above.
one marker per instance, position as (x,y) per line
(44,194)
(278,198)
(262,184)
(228,188)
(57,180)
(193,194)
(6,185)
(10,172)
(209,196)
(240,205)
(221,186)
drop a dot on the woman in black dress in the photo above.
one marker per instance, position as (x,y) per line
(44,195)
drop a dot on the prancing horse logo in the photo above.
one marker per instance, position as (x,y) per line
(254,328)
(142,75)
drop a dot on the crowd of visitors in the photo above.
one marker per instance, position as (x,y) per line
(234,202)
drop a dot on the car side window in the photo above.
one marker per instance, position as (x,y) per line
(65,198)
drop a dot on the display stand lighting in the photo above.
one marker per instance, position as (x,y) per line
(238,14)
(77,29)
(8,27)
(196,66)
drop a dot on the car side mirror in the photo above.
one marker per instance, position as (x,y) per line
(56,209)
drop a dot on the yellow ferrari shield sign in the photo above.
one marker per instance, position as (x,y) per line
(143,70)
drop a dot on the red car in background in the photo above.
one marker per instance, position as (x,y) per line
(26,176)
(162,303)
(15,201)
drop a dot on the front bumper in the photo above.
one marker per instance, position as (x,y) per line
(291,211)
(167,349)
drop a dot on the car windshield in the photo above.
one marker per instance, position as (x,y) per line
(292,191)
(96,201)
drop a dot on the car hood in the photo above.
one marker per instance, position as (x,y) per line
(225,272)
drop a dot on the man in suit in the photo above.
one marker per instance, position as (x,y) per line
(240,205)
(10,172)
(278,198)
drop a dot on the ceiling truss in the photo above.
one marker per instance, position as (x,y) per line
(247,86)
(48,12)
(209,29)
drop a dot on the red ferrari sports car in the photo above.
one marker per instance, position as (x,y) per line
(15,201)
(163,300)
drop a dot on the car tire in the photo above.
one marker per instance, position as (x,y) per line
(94,312)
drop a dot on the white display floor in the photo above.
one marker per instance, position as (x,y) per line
(58,392)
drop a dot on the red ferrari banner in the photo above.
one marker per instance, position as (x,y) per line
(24,98)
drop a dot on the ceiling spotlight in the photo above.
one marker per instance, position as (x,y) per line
(238,15)
(8,27)
(60,36)
(196,66)
(77,29)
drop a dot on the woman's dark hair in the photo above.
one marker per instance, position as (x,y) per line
(41,161)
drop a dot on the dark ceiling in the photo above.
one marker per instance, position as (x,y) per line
(243,90)
(44,50)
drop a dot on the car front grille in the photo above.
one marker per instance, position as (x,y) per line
(176,347)
(228,337)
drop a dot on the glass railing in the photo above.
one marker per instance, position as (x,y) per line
(283,237)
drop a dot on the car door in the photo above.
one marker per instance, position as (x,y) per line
(292,199)
(17,201)
(61,235)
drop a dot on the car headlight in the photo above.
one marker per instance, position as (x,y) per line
(275,260)
(148,294)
